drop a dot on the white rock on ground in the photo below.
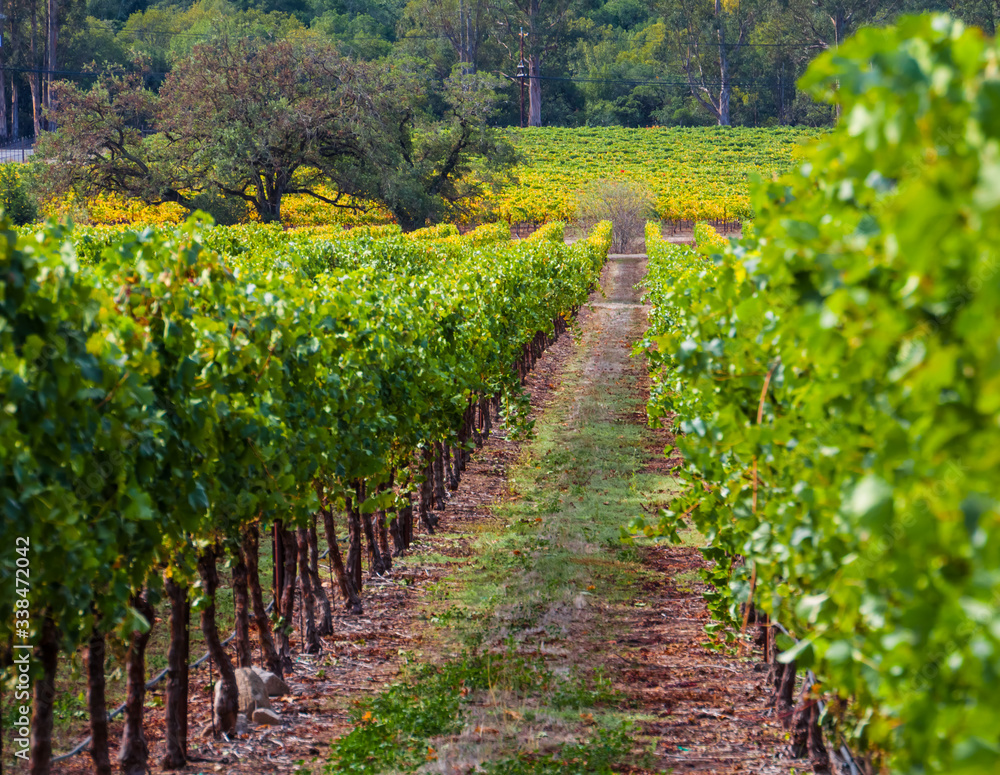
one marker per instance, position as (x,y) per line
(273,683)
(252,692)
(266,716)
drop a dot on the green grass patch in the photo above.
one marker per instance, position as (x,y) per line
(596,755)
(396,730)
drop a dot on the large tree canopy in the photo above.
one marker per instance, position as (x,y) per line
(431,168)
(256,119)
(101,144)
(260,120)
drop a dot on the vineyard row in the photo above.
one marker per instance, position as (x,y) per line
(172,396)
(832,378)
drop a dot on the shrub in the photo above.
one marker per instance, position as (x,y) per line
(14,198)
(225,210)
(627,204)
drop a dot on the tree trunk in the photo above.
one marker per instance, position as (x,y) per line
(464,453)
(133,753)
(725,87)
(288,561)
(838,38)
(277,566)
(177,677)
(380,523)
(310,639)
(354,544)
(763,628)
(97,703)
(47,654)
(453,460)
(397,536)
(534,91)
(268,199)
(3,97)
(251,555)
(225,706)
(406,519)
(242,611)
(800,728)
(352,601)
(325,626)
(52,20)
(34,79)
(15,110)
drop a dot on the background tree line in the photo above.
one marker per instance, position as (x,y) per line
(590,62)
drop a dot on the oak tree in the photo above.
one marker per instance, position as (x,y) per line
(256,120)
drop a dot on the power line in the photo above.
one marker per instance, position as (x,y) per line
(813,44)
(74,73)
(179,33)
(637,82)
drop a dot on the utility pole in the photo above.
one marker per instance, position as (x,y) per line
(522,74)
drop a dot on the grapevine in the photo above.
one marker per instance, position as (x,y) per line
(174,394)
(832,377)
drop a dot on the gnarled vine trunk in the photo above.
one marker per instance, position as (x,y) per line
(352,601)
(310,638)
(177,676)
(439,489)
(325,625)
(354,543)
(47,654)
(289,562)
(97,703)
(427,491)
(251,554)
(133,754)
(242,611)
(225,706)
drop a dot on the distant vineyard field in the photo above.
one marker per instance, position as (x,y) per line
(699,173)
(696,173)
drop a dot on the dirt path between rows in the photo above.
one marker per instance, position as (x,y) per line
(636,613)
(528,563)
